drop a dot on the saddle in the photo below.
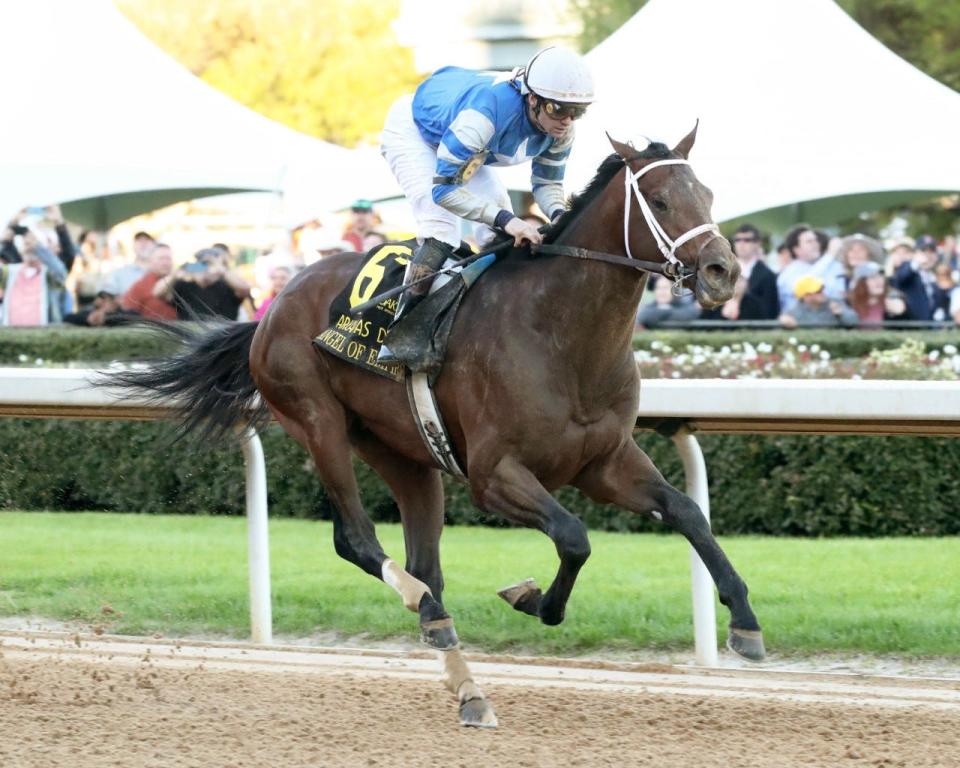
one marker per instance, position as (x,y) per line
(420,339)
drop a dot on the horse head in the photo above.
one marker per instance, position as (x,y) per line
(666,205)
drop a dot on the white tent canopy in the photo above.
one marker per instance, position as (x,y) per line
(803,114)
(102,117)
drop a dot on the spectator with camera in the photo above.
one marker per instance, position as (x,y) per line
(872,298)
(206,288)
(140,298)
(30,287)
(48,225)
(913,274)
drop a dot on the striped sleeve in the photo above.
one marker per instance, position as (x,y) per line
(546,177)
(464,145)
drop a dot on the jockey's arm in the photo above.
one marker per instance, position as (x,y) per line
(462,150)
(546,176)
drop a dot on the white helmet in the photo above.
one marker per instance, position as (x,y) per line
(560,75)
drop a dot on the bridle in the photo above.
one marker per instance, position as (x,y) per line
(672,267)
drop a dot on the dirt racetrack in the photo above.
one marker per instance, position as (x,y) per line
(67,700)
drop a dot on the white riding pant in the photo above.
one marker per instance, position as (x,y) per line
(414,163)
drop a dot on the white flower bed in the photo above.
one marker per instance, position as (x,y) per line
(911,360)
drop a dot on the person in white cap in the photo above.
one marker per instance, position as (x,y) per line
(439,142)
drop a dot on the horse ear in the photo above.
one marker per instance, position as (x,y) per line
(624,150)
(686,143)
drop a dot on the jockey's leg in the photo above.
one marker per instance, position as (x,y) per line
(429,257)
(413,163)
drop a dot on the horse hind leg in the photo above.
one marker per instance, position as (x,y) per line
(418,492)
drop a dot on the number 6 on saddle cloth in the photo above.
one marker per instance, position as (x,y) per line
(420,339)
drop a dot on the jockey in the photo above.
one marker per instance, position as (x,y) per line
(439,141)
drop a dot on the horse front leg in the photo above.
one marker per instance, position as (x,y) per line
(629,479)
(513,492)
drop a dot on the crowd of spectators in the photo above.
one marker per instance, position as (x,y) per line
(815,280)
(810,280)
(46,278)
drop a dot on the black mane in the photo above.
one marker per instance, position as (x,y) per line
(607,170)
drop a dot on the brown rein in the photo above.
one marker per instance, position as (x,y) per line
(664,268)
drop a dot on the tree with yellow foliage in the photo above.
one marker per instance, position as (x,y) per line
(329,69)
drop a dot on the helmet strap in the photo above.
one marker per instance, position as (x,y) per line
(535,110)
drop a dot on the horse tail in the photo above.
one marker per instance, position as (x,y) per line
(206,381)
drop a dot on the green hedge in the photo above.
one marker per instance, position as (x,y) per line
(67,344)
(813,486)
(808,486)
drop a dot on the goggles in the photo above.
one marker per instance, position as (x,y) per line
(558,110)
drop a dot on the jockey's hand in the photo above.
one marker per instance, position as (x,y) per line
(521,230)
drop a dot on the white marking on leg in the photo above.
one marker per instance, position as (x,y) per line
(411,590)
(457,677)
(475,709)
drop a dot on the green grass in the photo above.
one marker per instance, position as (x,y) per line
(188,575)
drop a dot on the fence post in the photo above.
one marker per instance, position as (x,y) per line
(704,609)
(258,542)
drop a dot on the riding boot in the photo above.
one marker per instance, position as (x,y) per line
(428,258)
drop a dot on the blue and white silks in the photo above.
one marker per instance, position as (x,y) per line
(465,113)
(460,119)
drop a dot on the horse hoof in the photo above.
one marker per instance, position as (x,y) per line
(747,644)
(524,597)
(477,713)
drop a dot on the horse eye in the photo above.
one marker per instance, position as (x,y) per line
(659,204)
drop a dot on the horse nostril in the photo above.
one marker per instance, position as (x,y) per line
(715,272)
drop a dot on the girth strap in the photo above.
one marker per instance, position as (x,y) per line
(668,269)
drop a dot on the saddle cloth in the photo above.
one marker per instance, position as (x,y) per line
(420,339)
(357,339)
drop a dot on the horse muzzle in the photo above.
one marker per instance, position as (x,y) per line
(717,276)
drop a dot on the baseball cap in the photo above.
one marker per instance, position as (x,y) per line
(361,205)
(806,285)
(926,243)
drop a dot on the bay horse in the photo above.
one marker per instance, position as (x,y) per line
(539,390)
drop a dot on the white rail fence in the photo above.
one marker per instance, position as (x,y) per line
(677,408)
